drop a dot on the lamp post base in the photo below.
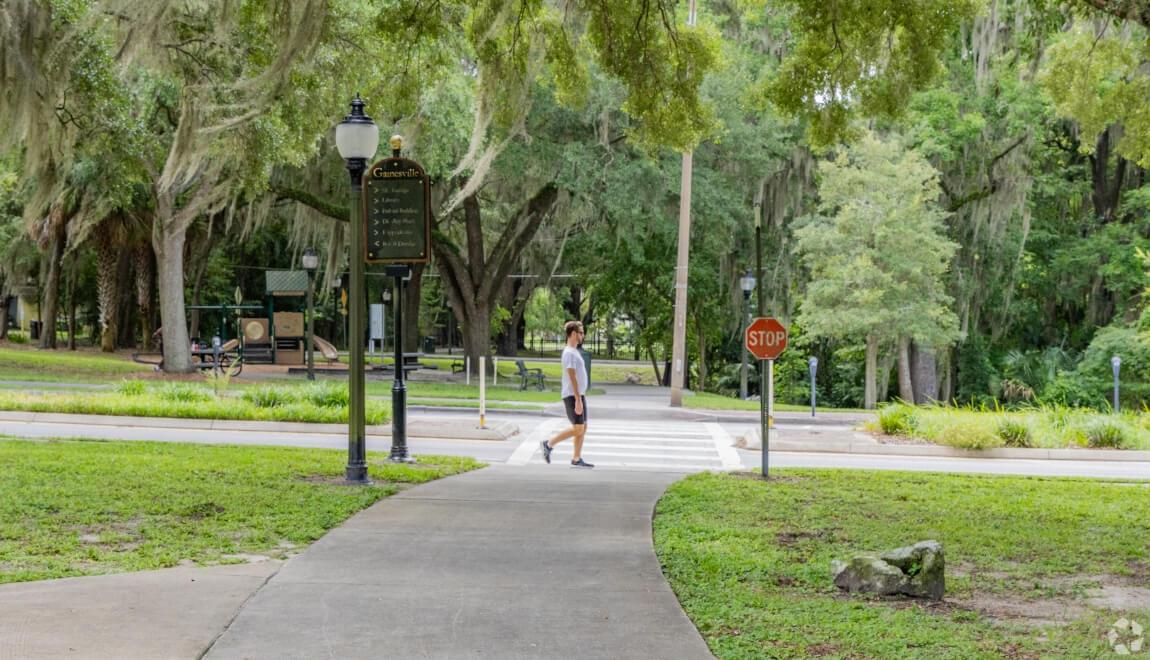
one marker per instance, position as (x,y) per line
(357,475)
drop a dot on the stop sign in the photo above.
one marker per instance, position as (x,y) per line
(766,338)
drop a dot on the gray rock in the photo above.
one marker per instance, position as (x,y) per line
(917,570)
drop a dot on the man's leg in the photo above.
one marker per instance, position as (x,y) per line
(579,431)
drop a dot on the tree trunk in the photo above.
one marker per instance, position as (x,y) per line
(702,384)
(654,365)
(905,385)
(477,337)
(73,274)
(169,247)
(412,299)
(4,298)
(924,374)
(869,377)
(946,390)
(885,362)
(145,267)
(107,298)
(51,306)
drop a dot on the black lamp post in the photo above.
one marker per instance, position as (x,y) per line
(357,138)
(310,261)
(747,284)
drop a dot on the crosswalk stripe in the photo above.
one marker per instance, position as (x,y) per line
(674,446)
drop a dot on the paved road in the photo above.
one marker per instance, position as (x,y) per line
(679,447)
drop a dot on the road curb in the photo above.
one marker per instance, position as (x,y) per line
(860,448)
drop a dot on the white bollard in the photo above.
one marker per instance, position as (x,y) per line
(467,369)
(482,392)
(495,371)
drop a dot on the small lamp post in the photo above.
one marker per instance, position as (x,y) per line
(747,284)
(813,365)
(1115,366)
(356,138)
(310,261)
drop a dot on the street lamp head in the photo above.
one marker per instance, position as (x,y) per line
(357,136)
(386,296)
(747,283)
(337,283)
(310,260)
(1115,362)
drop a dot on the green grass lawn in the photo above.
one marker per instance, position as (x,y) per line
(77,507)
(32,364)
(320,402)
(750,562)
(719,402)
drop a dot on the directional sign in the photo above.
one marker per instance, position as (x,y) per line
(766,338)
(396,199)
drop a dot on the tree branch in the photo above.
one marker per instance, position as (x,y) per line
(324,207)
(1128,10)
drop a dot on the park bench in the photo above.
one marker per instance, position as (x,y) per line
(529,376)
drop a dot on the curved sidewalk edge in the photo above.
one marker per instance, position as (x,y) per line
(535,562)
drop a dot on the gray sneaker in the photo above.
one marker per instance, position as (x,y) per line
(546,451)
(580,464)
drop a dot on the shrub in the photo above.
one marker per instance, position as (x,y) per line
(131,387)
(326,394)
(17,337)
(897,419)
(1015,433)
(268,396)
(184,393)
(1104,433)
(968,437)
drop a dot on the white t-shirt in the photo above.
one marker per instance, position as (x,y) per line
(573,360)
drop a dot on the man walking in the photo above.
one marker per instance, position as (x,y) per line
(574,387)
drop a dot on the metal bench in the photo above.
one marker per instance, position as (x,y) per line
(529,376)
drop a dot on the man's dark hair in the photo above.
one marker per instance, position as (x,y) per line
(572,326)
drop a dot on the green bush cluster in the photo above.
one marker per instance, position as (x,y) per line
(184,393)
(1015,433)
(17,337)
(1106,434)
(968,437)
(131,387)
(898,419)
(322,394)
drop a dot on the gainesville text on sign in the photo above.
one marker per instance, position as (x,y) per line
(396,196)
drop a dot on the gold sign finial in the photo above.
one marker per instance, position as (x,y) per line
(396,142)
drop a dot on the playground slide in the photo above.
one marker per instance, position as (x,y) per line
(325,348)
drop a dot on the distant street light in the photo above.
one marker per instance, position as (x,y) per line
(310,261)
(357,138)
(1115,366)
(747,284)
(335,291)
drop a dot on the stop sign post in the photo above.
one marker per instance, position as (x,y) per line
(766,339)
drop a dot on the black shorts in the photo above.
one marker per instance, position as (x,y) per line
(569,403)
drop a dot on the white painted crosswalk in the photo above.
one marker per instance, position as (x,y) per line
(678,447)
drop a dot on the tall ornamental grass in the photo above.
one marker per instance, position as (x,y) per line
(1049,427)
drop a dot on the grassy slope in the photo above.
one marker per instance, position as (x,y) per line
(83,508)
(750,561)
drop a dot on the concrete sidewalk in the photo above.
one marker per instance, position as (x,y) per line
(538,562)
(546,562)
